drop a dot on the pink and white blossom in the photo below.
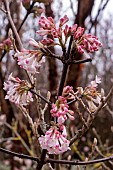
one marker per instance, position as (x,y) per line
(55,140)
(18,91)
(30,60)
(61,111)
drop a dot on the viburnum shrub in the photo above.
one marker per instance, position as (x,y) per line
(19,91)
(72,40)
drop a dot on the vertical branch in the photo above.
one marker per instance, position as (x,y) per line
(28,12)
(42,159)
(65,69)
(6,3)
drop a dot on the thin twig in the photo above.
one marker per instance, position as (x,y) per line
(49,53)
(28,12)
(43,98)
(3,10)
(71,61)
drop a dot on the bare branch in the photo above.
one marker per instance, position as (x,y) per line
(19,155)
(43,98)
(70,61)
(48,160)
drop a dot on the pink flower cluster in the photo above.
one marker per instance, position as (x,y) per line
(48,26)
(89,43)
(84,42)
(55,140)
(18,91)
(61,110)
(93,97)
(31,60)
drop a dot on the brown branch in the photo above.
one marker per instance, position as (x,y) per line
(79,162)
(27,14)
(43,98)
(48,160)
(65,68)
(19,155)
(49,53)
(42,159)
(70,61)
(3,10)
(6,3)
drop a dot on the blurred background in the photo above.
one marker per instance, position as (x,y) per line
(96,16)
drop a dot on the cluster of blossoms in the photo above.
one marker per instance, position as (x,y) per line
(82,42)
(61,110)
(55,138)
(18,91)
(90,93)
(31,59)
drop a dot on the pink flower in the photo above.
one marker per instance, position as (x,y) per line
(43,32)
(48,42)
(61,111)
(63,20)
(6,45)
(30,60)
(46,23)
(18,91)
(55,140)
(48,26)
(78,33)
(93,97)
(68,92)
